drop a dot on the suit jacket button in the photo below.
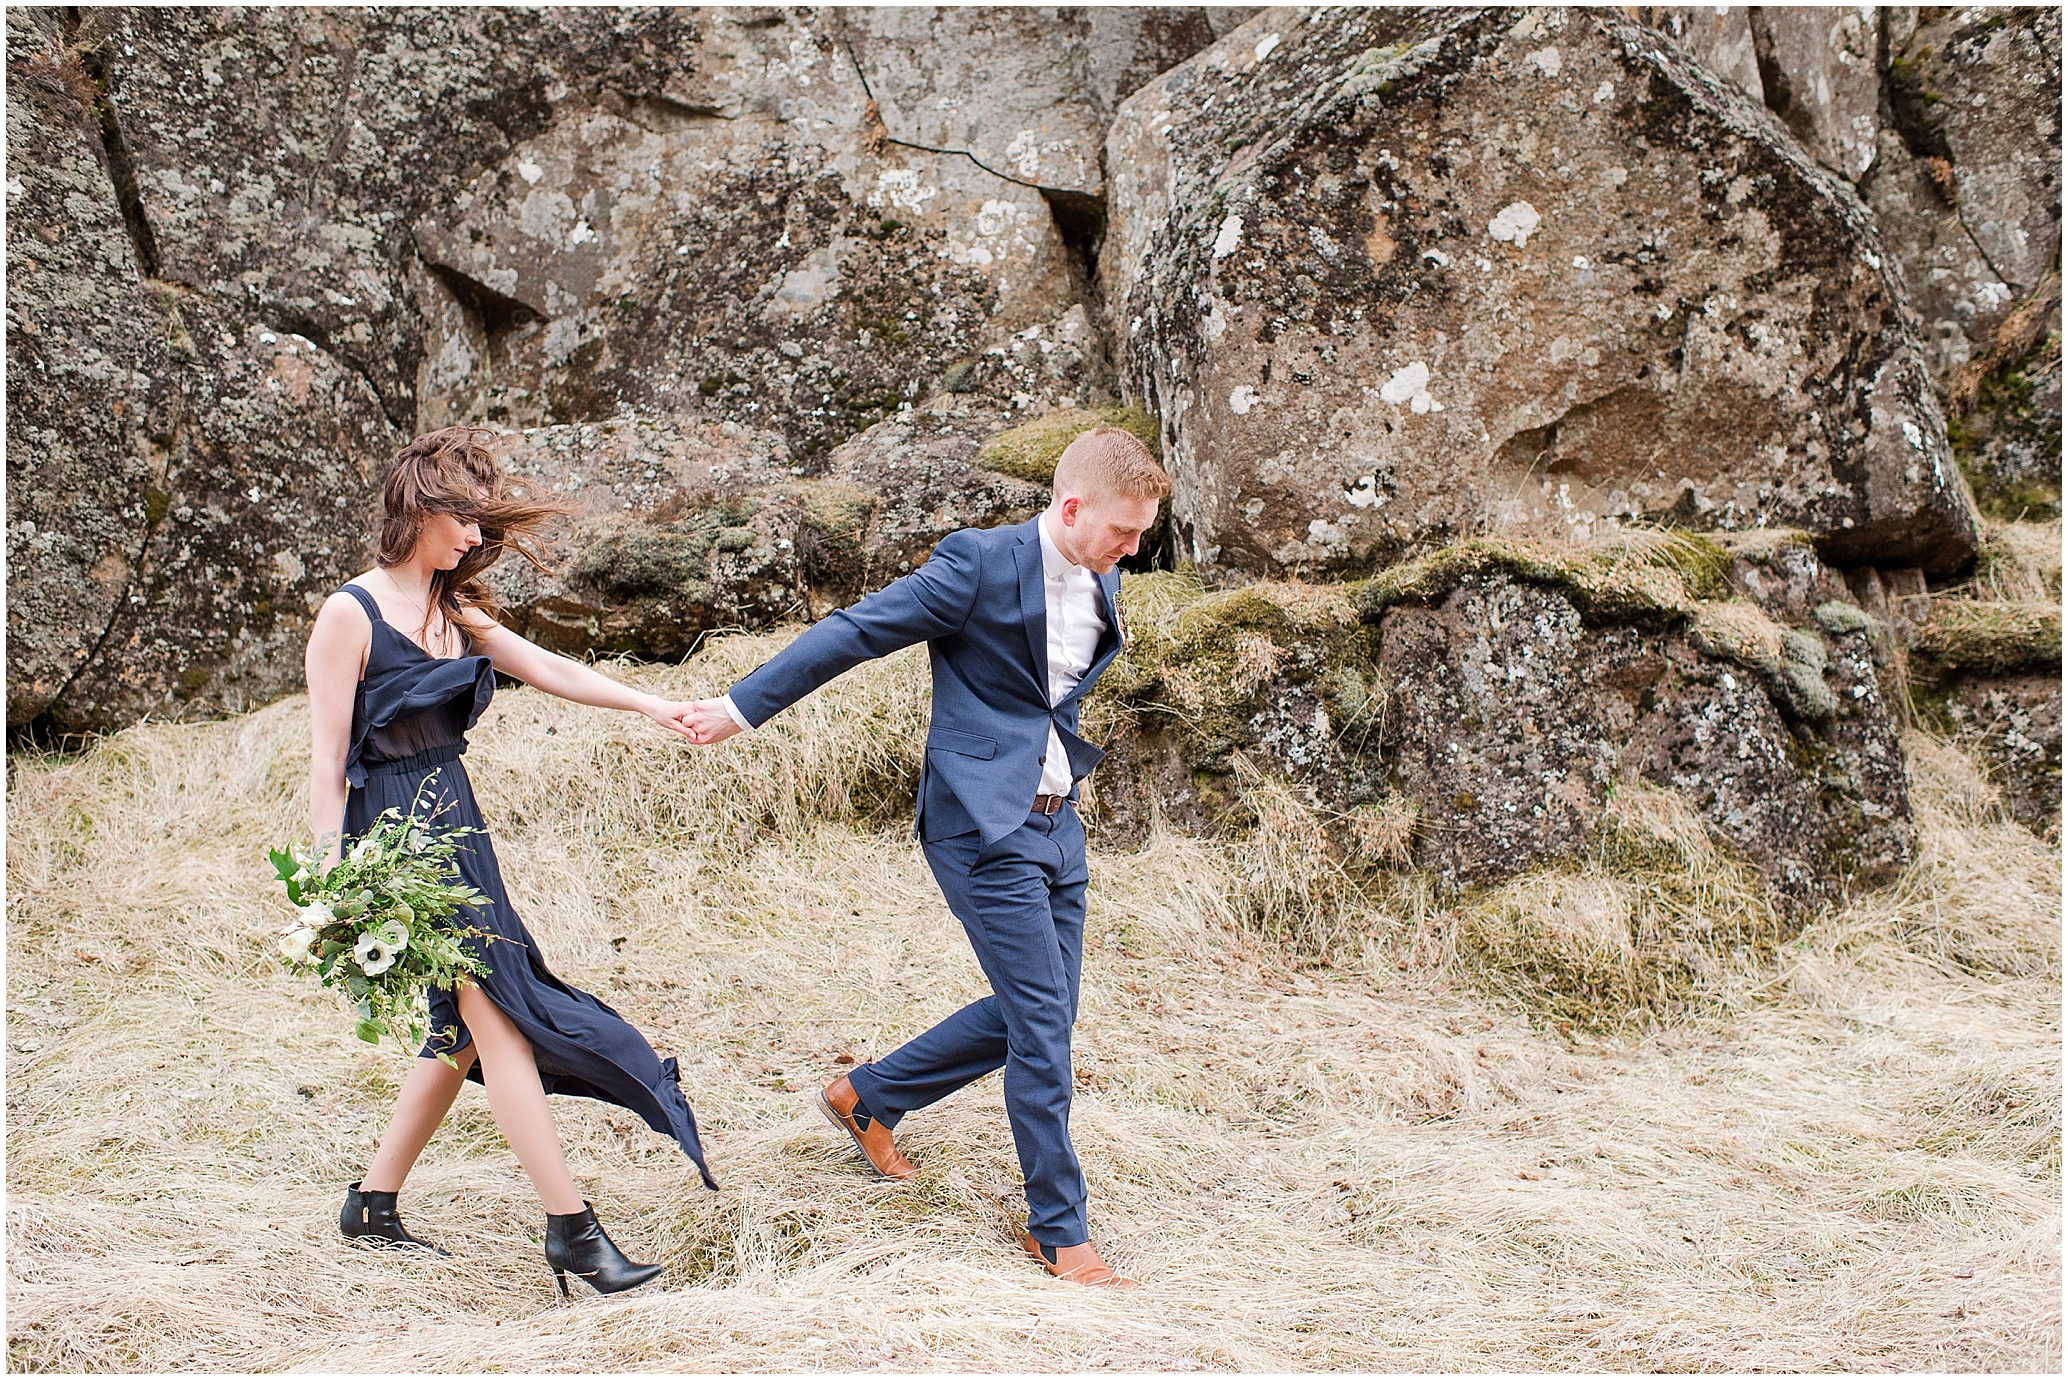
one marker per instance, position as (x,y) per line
(1042,759)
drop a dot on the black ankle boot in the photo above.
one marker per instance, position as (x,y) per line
(576,1244)
(369,1216)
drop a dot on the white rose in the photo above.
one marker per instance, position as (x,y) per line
(296,944)
(317,914)
(373,956)
(364,849)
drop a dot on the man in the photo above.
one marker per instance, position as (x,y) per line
(1019,622)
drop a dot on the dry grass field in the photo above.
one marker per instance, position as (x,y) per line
(1318,1150)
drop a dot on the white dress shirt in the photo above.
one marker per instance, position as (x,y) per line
(1076,621)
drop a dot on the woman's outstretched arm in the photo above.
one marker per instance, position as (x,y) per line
(515,655)
(332,664)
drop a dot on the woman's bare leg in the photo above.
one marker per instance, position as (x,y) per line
(420,1108)
(518,1101)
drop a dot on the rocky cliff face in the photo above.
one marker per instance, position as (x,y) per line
(776,297)
(256,249)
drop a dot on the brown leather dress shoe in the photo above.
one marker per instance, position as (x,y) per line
(838,1102)
(1078,1264)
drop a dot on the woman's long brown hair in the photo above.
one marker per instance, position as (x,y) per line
(454,471)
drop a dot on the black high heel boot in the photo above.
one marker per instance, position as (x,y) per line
(369,1215)
(577,1244)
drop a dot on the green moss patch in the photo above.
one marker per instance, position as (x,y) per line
(1205,665)
(1790,660)
(1029,451)
(1643,577)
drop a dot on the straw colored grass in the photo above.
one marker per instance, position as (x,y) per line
(1317,1145)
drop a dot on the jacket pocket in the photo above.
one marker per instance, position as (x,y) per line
(967,744)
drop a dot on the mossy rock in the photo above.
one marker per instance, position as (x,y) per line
(1029,451)
(1974,635)
(1642,577)
(1205,661)
(1790,660)
(833,532)
(2008,444)
(669,559)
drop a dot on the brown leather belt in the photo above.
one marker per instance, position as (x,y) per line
(1049,804)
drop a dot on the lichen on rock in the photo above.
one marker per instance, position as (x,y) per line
(1404,277)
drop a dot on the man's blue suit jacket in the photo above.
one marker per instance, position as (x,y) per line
(978,604)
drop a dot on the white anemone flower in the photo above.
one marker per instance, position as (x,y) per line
(372,955)
(297,943)
(392,933)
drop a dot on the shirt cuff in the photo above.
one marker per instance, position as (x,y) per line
(733,710)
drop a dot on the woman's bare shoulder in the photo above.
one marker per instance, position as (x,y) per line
(341,614)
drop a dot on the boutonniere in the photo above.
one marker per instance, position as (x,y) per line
(1119,620)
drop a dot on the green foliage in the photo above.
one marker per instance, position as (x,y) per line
(383,921)
(1839,618)
(1029,450)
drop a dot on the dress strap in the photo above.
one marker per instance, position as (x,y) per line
(373,610)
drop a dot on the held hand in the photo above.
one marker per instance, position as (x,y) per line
(703,722)
(673,715)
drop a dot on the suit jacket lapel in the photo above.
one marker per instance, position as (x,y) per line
(1034,603)
(1111,641)
(1109,589)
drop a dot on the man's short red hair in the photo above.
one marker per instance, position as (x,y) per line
(1108,461)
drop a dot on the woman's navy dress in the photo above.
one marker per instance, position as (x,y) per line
(410,719)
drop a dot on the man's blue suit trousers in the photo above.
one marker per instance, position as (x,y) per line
(1022,901)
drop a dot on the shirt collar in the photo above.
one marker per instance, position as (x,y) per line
(1054,563)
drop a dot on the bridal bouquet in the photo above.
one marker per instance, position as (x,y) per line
(381,922)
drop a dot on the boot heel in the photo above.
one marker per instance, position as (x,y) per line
(560,1278)
(576,1241)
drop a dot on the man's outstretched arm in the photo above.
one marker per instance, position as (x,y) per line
(933,601)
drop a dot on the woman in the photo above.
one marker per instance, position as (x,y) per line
(401,663)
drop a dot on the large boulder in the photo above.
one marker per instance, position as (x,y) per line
(1967,194)
(1026,93)
(1479,711)
(282,154)
(185,484)
(676,527)
(1392,277)
(830,216)
(83,483)
(1979,88)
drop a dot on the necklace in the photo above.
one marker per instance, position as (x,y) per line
(423,611)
